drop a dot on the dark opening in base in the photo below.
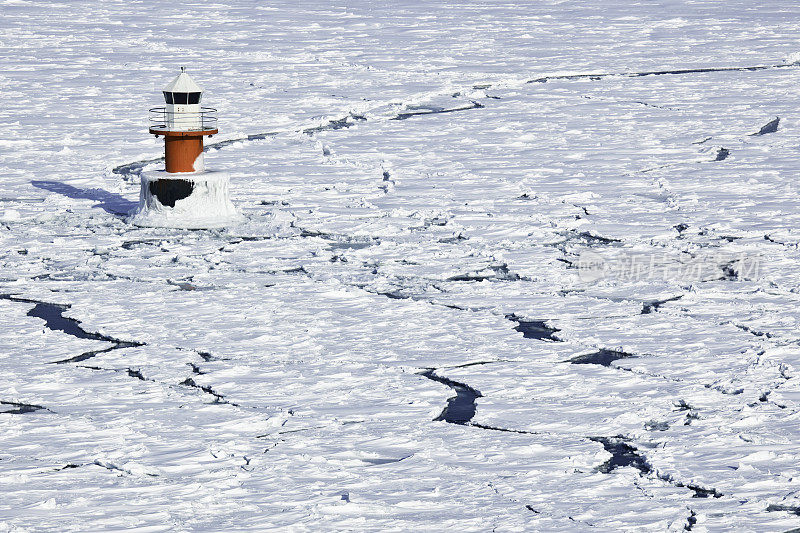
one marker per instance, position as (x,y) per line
(170,191)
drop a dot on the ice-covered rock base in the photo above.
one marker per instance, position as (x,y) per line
(192,200)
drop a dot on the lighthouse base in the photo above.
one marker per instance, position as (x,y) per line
(190,200)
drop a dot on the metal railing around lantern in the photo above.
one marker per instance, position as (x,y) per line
(203,120)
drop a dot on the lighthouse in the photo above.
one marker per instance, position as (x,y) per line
(184,194)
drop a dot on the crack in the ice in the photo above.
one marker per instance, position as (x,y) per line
(589,239)
(654,305)
(622,455)
(218,398)
(135,168)
(749,330)
(722,154)
(92,353)
(22,408)
(432,111)
(188,382)
(479,363)
(599,76)
(637,102)
(336,124)
(52,314)
(690,521)
(311,233)
(115,468)
(625,455)
(492,273)
(699,492)
(127,371)
(385,461)
(503,430)
(772,240)
(603,357)
(195,369)
(729,272)
(54,320)
(773,507)
(769,127)
(648,104)
(534,329)
(97,462)
(724,389)
(461,408)
(205,356)
(691,415)
(393,295)
(129,245)
(136,374)
(535,511)
(104,464)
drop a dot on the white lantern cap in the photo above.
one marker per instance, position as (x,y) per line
(182,84)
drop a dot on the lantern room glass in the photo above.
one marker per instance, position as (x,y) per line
(182,98)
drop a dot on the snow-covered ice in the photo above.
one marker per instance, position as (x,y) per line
(511,266)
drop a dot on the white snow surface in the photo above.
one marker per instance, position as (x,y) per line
(414,179)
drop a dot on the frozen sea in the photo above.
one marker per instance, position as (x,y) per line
(503,266)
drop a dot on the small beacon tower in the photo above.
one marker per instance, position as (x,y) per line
(184,194)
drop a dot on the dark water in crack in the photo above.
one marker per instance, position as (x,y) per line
(623,454)
(769,127)
(218,398)
(787,508)
(394,295)
(136,374)
(534,329)
(20,408)
(691,521)
(492,273)
(592,239)
(88,355)
(351,245)
(436,111)
(600,76)
(601,357)
(337,124)
(54,319)
(461,408)
(653,306)
(699,492)
(722,154)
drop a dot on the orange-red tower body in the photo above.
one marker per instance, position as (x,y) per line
(183,149)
